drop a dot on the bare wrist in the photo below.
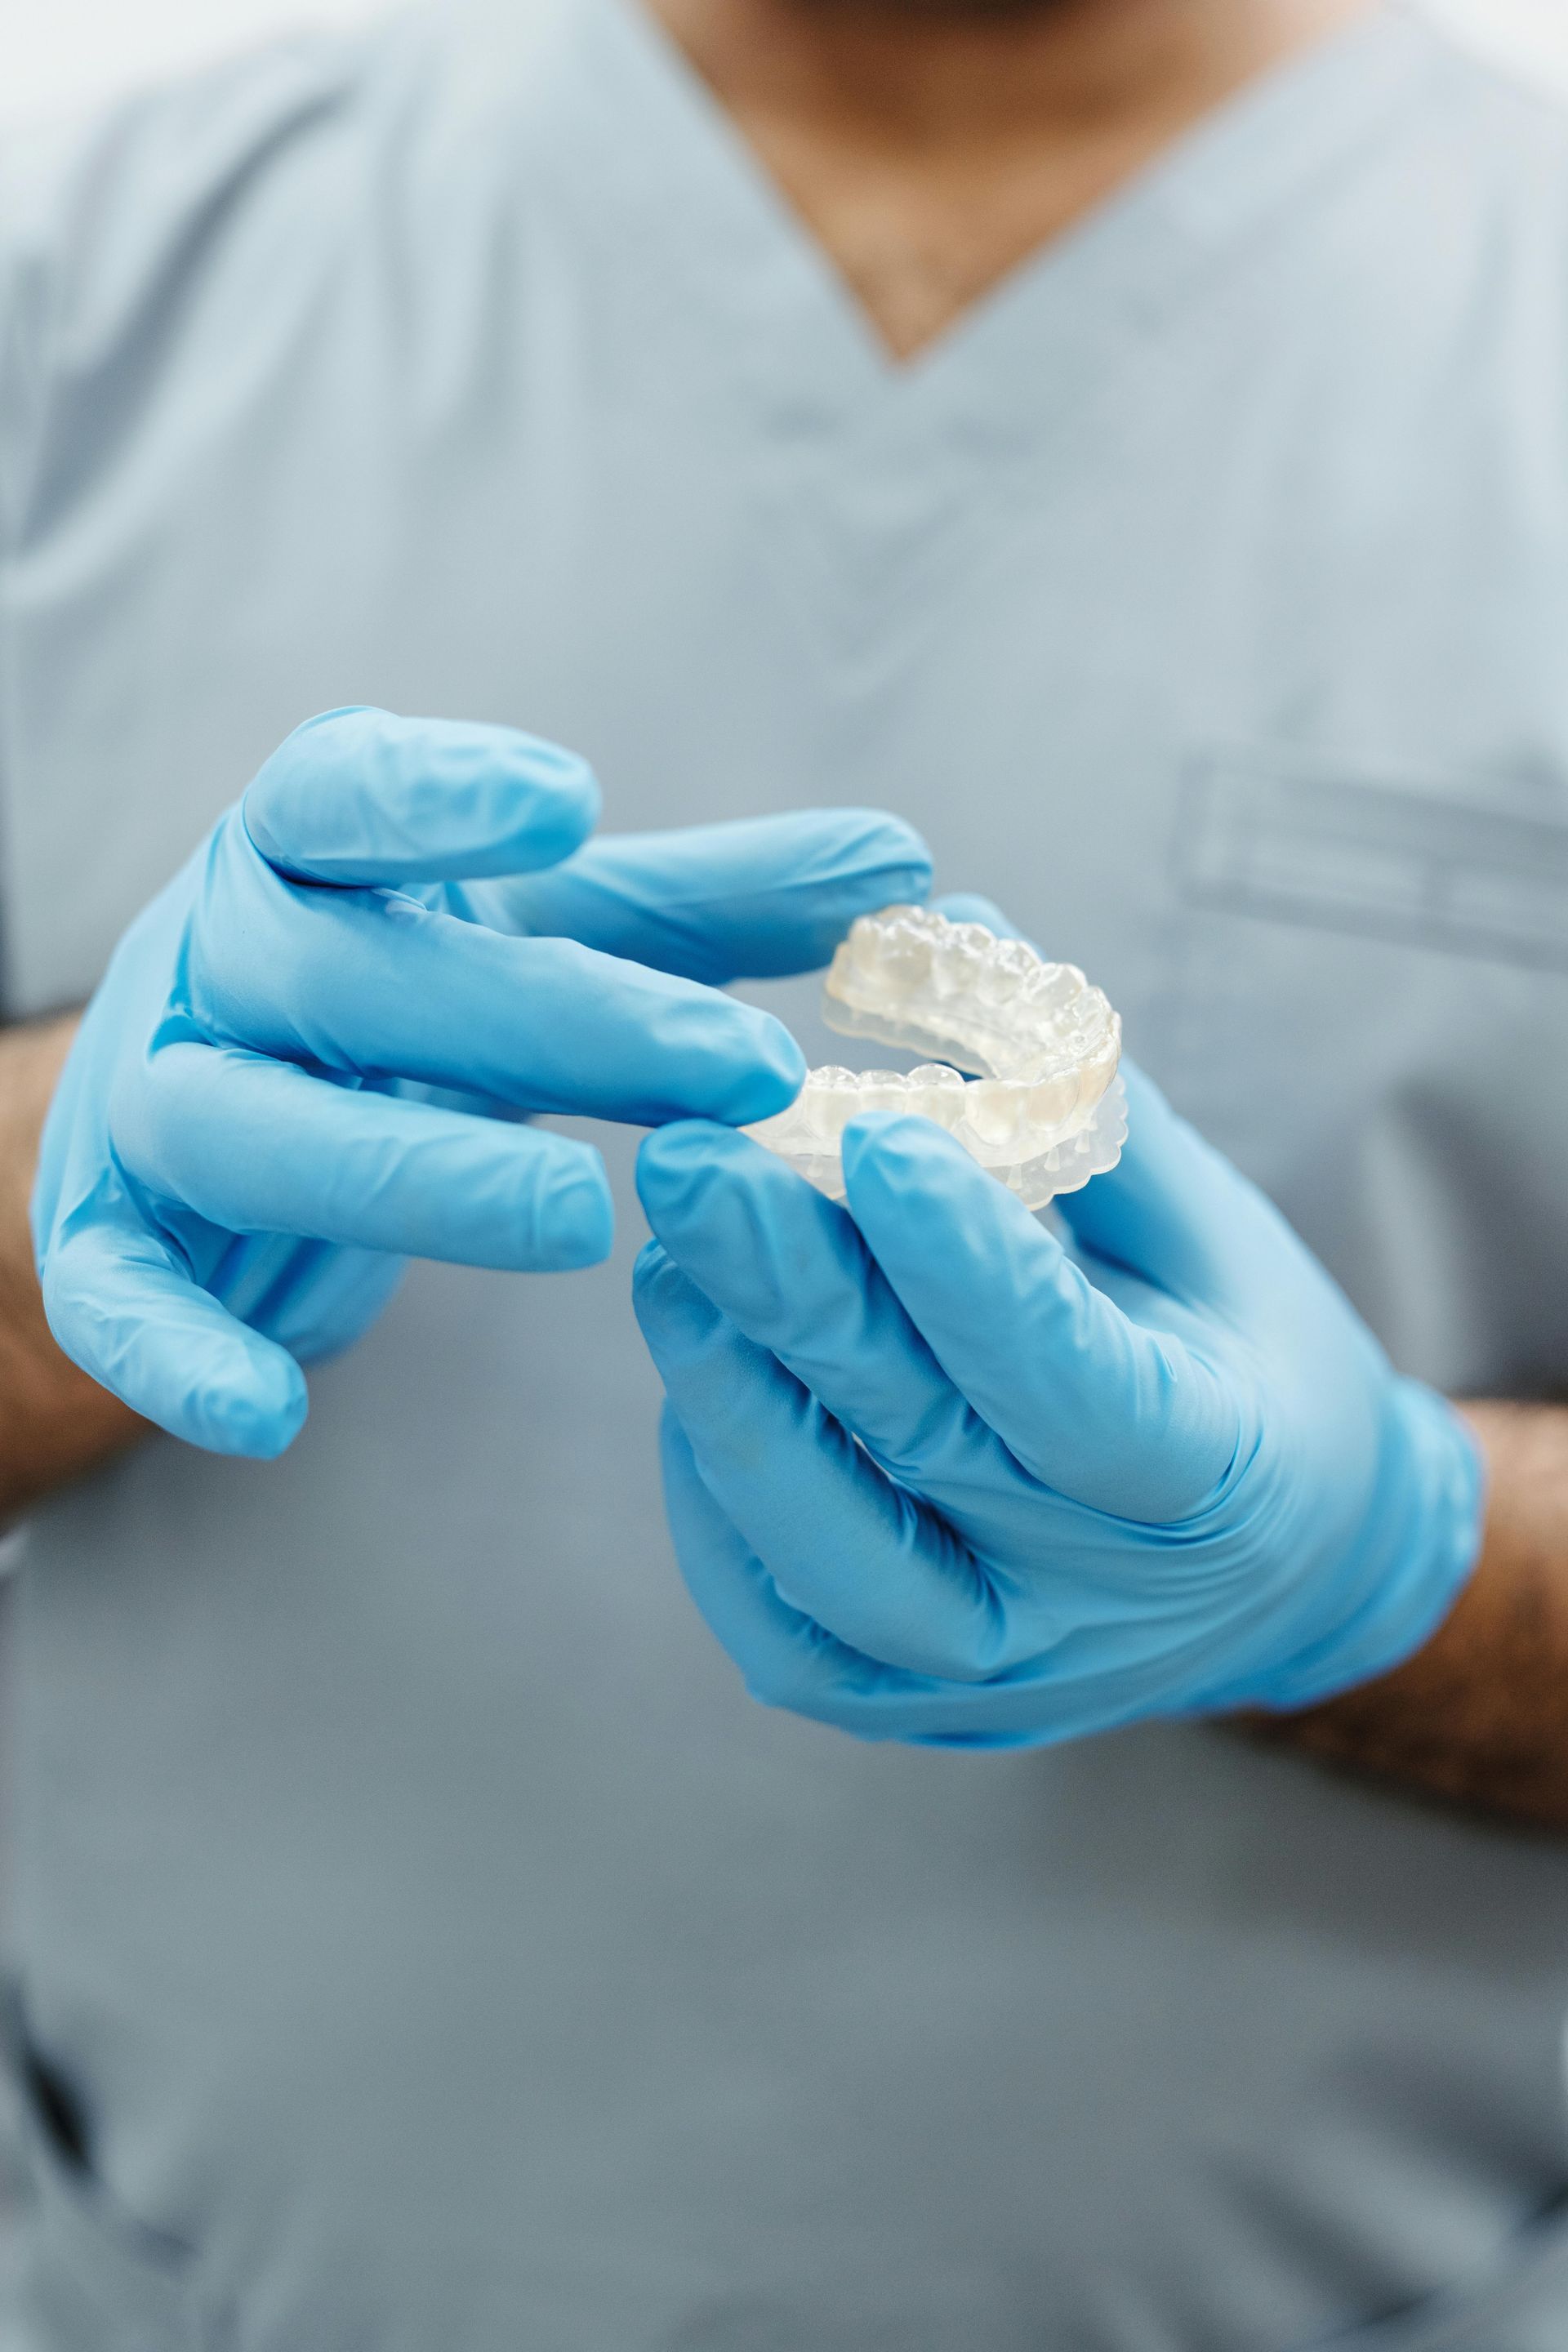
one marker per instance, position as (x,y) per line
(54,1421)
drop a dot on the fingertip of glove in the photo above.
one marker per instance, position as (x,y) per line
(732,1213)
(647,1263)
(899,1165)
(650,1272)
(564,796)
(670,1309)
(362,795)
(257,1421)
(889,847)
(774,1073)
(896,1143)
(576,1225)
(675,1162)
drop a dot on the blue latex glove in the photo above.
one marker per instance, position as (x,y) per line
(931,1478)
(280,1089)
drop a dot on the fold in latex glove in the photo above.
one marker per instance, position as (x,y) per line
(243,1145)
(931,1478)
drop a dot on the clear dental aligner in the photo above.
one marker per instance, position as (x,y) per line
(1046,1110)
(909,977)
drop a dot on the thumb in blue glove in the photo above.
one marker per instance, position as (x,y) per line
(933,1477)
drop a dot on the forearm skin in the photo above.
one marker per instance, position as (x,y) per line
(1480,1716)
(55,1423)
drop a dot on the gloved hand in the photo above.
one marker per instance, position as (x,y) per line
(933,1477)
(244,1145)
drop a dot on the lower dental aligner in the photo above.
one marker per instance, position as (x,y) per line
(1046,1110)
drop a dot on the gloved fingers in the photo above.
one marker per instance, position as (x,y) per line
(1174,1211)
(312,1297)
(1126,1420)
(380,985)
(255,1146)
(788,1661)
(720,902)
(1142,1303)
(792,1273)
(122,1306)
(844,1545)
(364,797)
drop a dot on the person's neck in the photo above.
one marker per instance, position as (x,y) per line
(931,148)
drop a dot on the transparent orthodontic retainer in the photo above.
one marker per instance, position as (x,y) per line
(1044,1110)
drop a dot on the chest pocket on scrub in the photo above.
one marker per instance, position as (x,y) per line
(1273,836)
(1369,1012)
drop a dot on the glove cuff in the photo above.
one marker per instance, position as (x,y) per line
(1417,1552)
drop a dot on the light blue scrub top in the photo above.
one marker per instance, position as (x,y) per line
(432,1944)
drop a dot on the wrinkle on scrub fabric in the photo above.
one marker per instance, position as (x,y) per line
(420,1939)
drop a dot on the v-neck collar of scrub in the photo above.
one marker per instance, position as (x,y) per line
(873,468)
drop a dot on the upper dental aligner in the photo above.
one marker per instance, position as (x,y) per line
(1045,1114)
(909,977)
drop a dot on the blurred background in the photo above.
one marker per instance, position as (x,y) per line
(57,55)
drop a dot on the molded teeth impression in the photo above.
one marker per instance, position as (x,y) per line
(1047,1111)
(909,977)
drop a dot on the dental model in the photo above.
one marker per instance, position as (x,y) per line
(1046,1111)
